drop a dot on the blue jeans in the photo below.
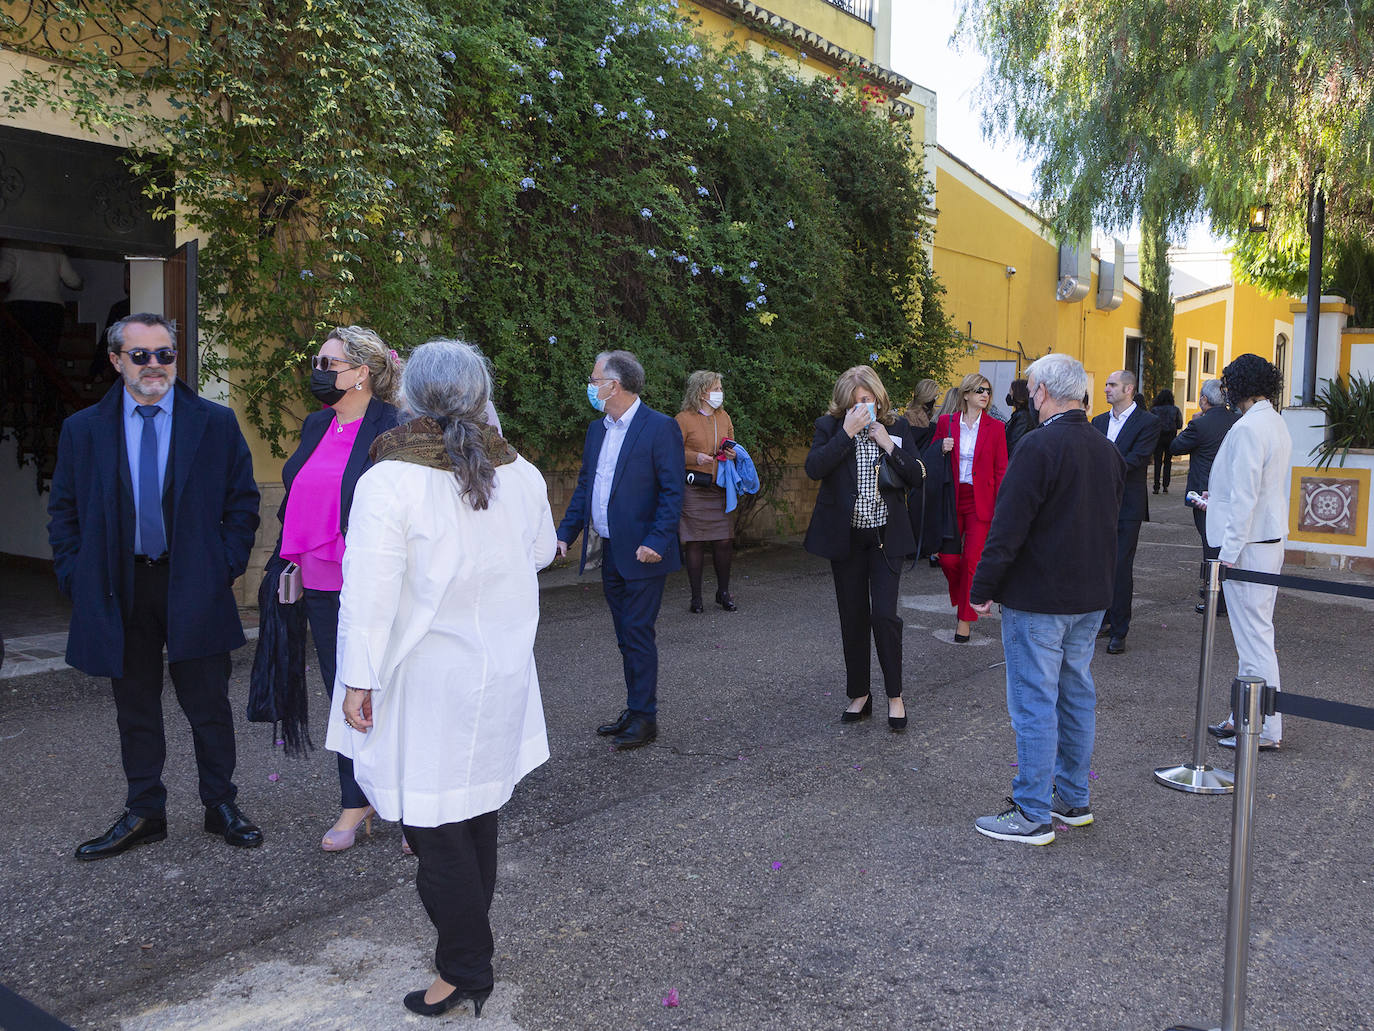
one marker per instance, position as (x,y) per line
(1052,703)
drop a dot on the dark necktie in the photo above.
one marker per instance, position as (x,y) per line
(150,533)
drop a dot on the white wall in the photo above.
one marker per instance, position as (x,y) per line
(24,519)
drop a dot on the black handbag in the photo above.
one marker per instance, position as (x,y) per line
(696,478)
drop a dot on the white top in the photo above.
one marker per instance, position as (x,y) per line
(1115,422)
(438,614)
(968,443)
(1248,487)
(605,468)
(36,275)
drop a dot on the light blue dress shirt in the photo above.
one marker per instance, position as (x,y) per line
(605,468)
(133,439)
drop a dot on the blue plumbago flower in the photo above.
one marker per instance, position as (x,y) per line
(526,98)
(703,191)
(728,102)
(645,213)
(774,53)
(681,259)
(574,207)
(711,123)
(639,101)
(515,69)
(718,77)
(653,253)
(389,184)
(482,162)
(548,117)
(307,274)
(557,159)
(601,54)
(858,336)
(791,224)
(761,300)
(555,75)
(753,264)
(622,116)
(598,110)
(527,183)
(873,357)
(658,79)
(449,55)
(553,340)
(716,270)
(692,169)
(661,134)
(725,126)
(538,42)
(505,123)
(693,51)
(648,114)
(696,269)
(750,305)
(802,55)
(744,280)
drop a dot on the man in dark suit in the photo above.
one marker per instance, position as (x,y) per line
(153,512)
(1134,431)
(629,490)
(1200,441)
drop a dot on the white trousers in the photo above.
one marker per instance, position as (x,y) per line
(1251,611)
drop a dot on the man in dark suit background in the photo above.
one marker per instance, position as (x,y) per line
(1134,431)
(629,489)
(153,512)
(1200,441)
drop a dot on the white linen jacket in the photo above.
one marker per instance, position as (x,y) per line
(1248,488)
(437,618)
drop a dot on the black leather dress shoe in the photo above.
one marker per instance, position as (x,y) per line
(621,722)
(640,730)
(129,830)
(1116,645)
(227,820)
(1226,728)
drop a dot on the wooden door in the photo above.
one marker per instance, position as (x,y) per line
(179,303)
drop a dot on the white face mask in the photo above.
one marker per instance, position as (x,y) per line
(715,398)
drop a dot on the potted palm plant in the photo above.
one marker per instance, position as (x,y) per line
(1349,411)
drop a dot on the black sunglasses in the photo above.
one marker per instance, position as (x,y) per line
(141,356)
(324,363)
(981,390)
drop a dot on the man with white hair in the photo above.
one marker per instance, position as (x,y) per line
(1201,441)
(1049,559)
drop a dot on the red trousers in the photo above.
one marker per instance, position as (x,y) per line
(959,568)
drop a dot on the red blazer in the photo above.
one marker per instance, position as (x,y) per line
(989,459)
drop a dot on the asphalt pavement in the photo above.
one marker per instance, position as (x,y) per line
(760,865)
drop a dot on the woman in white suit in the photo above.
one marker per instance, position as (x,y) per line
(441,714)
(1247,518)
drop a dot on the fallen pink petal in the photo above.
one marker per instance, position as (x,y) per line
(670,1000)
(1061,826)
(274,777)
(777,865)
(1092,775)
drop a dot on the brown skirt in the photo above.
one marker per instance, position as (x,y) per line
(704,517)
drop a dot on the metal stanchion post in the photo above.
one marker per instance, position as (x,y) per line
(1247,696)
(1196,776)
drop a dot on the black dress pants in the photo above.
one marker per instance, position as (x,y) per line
(866,593)
(1200,521)
(322,613)
(202,687)
(456,880)
(1119,615)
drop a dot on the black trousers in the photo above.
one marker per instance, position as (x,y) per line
(1200,521)
(1164,460)
(456,880)
(866,593)
(322,613)
(1119,615)
(202,687)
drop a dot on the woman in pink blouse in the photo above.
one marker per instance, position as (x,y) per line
(357,378)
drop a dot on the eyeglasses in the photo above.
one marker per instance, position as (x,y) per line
(324,363)
(981,390)
(601,379)
(141,356)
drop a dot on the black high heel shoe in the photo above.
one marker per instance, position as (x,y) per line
(862,714)
(726,602)
(696,607)
(415,1001)
(896,723)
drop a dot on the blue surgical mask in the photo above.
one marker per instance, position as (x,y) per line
(872,409)
(596,402)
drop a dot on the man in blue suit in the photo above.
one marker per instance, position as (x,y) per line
(1134,431)
(153,512)
(629,490)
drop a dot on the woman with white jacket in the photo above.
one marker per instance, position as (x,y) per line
(441,714)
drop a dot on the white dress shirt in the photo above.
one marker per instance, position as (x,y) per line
(1248,487)
(1115,422)
(968,443)
(605,468)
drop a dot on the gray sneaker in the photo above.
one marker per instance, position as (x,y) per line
(1012,825)
(1074,816)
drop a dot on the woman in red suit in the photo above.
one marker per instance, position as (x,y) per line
(976,444)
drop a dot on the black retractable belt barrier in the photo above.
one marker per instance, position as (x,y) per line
(18,1014)
(1251,700)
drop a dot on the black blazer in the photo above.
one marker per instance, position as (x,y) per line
(1136,442)
(210,505)
(1201,441)
(833,460)
(378,418)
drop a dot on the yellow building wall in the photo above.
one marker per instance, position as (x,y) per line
(1232,320)
(824,19)
(979,233)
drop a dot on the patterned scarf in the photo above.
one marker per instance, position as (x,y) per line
(421,442)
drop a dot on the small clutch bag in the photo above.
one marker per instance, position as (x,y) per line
(289,588)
